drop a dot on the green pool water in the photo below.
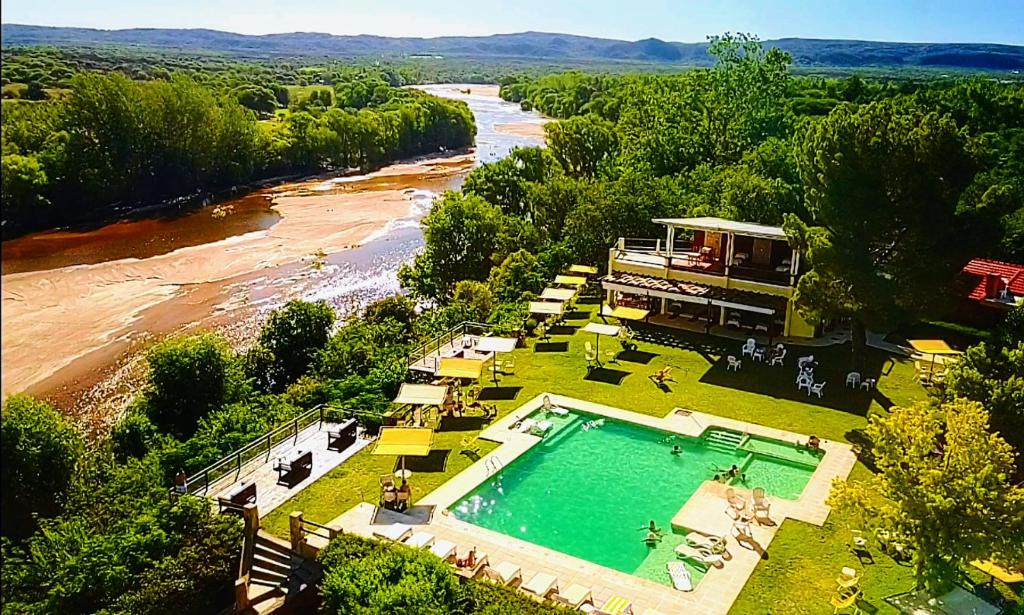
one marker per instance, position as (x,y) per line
(590,493)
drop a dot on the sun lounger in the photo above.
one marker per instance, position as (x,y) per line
(527,425)
(542,427)
(505,573)
(715,544)
(680,576)
(701,556)
(420,540)
(558,410)
(574,595)
(480,562)
(541,584)
(443,549)
(396,532)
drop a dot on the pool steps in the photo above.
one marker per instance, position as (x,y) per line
(724,439)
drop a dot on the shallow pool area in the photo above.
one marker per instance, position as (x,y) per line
(590,487)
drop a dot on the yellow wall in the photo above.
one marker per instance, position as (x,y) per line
(796,326)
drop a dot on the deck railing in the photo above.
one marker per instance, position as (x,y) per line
(434,344)
(230,466)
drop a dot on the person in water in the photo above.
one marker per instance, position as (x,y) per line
(676,450)
(734,472)
(653,533)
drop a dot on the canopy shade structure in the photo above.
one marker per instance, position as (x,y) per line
(454,367)
(557,294)
(624,313)
(998,572)
(421,394)
(551,308)
(496,344)
(599,329)
(402,441)
(583,269)
(570,280)
(932,347)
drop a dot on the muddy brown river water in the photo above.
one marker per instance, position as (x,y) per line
(79,307)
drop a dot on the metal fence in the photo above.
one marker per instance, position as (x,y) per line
(435,344)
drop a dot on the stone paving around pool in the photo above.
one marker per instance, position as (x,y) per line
(704,512)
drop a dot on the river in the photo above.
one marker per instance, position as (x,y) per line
(81,306)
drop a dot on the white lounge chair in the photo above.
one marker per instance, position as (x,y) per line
(701,556)
(443,549)
(541,584)
(526,426)
(715,544)
(542,427)
(680,576)
(505,573)
(574,595)
(420,540)
(396,532)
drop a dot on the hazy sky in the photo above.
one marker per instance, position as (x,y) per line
(996,21)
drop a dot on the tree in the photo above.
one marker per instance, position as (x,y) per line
(582,144)
(397,308)
(460,233)
(520,273)
(40,451)
(882,185)
(476,296)
(505,183)
(994,375)
(256,97)
(942,488)
(294,335)
(190,377)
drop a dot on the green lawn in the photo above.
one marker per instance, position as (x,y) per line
(798,576)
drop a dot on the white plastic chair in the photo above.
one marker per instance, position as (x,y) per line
(779,356)
(867,384)
(816,389)
(853,379)
(749,347)
(805,360)
(734,363)
(804,381)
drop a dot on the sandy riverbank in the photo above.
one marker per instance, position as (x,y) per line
(532,130)
(79,319)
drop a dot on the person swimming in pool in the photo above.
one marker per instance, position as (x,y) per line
(653,533)
(676,450)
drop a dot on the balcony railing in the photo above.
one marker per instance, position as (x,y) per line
(435,344)
(757,274)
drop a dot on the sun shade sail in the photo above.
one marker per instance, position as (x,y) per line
(558,294)
(583,269)
(496,344)
(421,394)
(570,280)
(624,313)
(599,329)
(545,307)
(461,368)
(932,347)
(413,441)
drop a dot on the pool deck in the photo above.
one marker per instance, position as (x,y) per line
(704,512)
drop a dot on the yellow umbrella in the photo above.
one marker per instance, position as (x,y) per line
(624,313)
(998,572)
(934,348)
(402,441)
(455,367)
(570,280)
(547,308)
(557,294)
(583,269)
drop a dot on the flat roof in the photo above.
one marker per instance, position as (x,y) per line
(721,225)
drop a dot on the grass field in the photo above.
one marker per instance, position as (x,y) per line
(804,560)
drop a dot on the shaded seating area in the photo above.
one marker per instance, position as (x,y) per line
(401,442)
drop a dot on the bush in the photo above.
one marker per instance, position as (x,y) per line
(294,335)
(39,451)
(132,436)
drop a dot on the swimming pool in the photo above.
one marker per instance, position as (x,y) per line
(590,493)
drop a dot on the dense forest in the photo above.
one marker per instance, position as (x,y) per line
(888,185)
(101,143)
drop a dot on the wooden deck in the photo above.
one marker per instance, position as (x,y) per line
(269,493)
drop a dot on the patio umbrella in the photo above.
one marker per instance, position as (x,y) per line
(570,280)
(495,345)
(557,294)
(404,441)
(998,572)
(583,270)
(624,313)
(455,367)
(598,330)
(421,395)
(934,348)
(547,308)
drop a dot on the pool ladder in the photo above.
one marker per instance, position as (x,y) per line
(492,464)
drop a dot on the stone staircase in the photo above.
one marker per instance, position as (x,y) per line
(277,574)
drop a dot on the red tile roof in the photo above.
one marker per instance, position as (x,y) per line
(981,267)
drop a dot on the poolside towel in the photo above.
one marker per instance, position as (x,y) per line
(617,605)
(420,540)
(395,531)
(680,576)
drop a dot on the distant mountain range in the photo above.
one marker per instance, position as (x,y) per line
(525,45)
